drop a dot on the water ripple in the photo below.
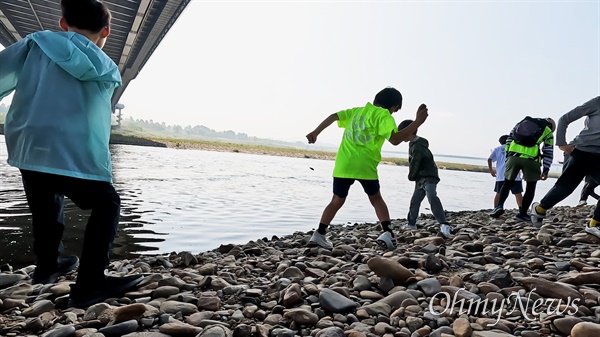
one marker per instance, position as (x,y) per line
(176,200)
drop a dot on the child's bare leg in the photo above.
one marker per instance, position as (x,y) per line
(331,210)
(380,206)
(387,238)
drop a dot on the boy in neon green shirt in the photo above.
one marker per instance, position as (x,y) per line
(359,154)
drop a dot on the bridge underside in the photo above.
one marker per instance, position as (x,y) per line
(137,28)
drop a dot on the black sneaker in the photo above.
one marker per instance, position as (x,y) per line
(523,217)
(497,212)
(63,266)
(82,296)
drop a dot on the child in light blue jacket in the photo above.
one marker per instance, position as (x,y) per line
(57,134)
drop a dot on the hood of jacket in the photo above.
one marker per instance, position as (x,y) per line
(78,56)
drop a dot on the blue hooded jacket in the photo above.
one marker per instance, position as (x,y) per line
(60,116)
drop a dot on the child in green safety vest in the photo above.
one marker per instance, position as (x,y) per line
(523,155)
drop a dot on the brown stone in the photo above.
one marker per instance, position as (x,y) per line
(462,328)
(565,324)
(550,289)
(586,329)
(384,267)
(129,312)
(583,278)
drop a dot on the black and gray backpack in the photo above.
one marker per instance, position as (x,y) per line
(528,131)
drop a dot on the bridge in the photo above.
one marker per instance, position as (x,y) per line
(137,28)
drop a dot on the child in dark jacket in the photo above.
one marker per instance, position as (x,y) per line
(424,172)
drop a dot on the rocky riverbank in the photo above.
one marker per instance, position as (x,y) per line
(277,287)
(116,138)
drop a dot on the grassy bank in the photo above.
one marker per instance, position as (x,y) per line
(225,146)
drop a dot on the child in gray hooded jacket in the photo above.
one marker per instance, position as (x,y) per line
(584,154)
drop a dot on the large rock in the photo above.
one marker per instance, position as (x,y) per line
(10,279)
(496,333)
(216,331)
(550,289)
(462,327)
(499,277)
(301,316)
(384,267)
(430,286)
(331,332)
(566,324)
(586,329)
(335,302)
(583,278)
(460,293)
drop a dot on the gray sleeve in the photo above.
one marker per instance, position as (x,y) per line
(563,122)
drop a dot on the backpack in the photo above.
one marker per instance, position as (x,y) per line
(528,131)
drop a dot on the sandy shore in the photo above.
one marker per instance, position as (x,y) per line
(542,282)
(241,148)
(219,146)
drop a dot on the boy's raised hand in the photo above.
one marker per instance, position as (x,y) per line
(312,137)
(422,113)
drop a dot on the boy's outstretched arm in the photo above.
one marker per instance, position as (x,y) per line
(405,134)
(312,137)
(492,169)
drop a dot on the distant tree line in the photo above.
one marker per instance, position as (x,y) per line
(198,130)
(142,126)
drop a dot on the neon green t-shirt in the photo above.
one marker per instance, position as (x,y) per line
(360,150)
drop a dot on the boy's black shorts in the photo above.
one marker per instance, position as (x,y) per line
(341,186)
(515,189)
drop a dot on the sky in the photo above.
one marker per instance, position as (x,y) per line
(277,69)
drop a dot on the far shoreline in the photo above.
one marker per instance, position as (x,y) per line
(117,138)
(224,146)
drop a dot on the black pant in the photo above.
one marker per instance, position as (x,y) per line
(45,196)
(527,197)
(578,166)
(588,189)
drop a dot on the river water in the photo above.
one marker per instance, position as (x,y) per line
(192,200)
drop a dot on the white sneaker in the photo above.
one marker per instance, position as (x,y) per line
(446,230)
(536,218)
(318,239)
(582,203)
(593,230)
(409,226)
(387,241)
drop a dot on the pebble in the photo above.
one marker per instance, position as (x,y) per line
(543,282)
